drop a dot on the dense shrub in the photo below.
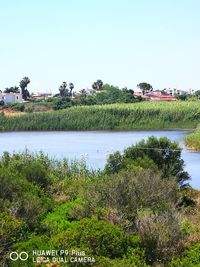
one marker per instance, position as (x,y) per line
(190,258)
(11,230)
(33,168)
(62,103)
(123,194)
(113,94)
(133,258)
(58,220)
(24,199)
(161,234)
(165,154)
(17,106)
(99,237)
(33,243)
(123,217)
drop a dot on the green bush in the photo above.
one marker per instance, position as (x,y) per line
(124,193)
(11,230)
(58,220)
(190,258)
(134,258)
(62,103)
(34,168)
(22,196)
(37,243)
(161,234)
(121,218)
(99,237)
(18,106)
(165,154)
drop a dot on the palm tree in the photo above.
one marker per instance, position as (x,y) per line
(71,87)
(100,84)
(95,86)
(83,93)
(12,89)
(23,85)
(63,90)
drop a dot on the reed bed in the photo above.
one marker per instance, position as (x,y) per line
(145,115)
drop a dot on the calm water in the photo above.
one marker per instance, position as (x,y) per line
(94,146)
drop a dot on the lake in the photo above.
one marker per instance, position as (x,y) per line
(93,146)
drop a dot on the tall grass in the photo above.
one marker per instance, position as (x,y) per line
(145,115)
(193,140)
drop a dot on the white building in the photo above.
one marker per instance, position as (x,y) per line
(11,98)
(175,91)
(42,95)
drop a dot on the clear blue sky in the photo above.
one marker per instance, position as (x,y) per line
(122,42)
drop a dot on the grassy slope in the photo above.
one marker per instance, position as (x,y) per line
(145,115)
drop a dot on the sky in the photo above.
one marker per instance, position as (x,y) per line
(122,42)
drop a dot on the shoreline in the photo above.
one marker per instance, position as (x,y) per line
(104,130)
(145,116)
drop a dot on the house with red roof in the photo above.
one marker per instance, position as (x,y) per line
(156,96)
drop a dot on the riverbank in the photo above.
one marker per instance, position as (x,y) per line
(193,140)
(10,112)
(143,116)
(136,116)
(93,146)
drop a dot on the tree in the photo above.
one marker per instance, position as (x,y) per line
(64,90)
(83,93)
(12,89)
(97,85)
(197,94)
(23,85)
(71,87)
(164,153)
(182,97)
(2,103)
(100,84)
(145,87)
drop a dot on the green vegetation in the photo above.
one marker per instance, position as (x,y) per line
(193,140)
(23,86)
(162,153)
(17,107)
(145,87)
(105,107)
(65,91)
(100,94)
(145,115)
(133,213)
(191,258)
(12,89)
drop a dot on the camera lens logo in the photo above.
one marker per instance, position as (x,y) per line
(14,256)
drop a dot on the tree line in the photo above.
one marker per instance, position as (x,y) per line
(65,90)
